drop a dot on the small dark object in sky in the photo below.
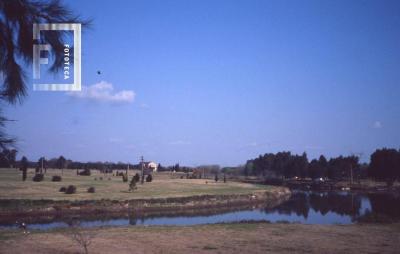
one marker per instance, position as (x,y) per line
(98,72)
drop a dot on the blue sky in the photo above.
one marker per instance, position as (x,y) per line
(204,82)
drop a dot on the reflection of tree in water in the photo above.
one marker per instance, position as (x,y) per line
(342,204)
(298,203)
(301,202)
(384,207)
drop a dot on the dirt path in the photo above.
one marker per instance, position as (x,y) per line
(222,238)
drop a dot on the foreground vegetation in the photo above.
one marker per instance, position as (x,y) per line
(112,187)
(219,238)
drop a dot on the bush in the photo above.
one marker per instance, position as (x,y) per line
(137,177)
(62,189)
(70,190)
(56,179)
(91,190)
(132,184)
(149,178)
(85,172)
(38,178)
(124,178)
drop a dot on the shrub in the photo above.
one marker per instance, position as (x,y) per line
(149,178)
(62,189)
(38,178)
(91,190)
(70,190)
(137,177)
(101,178)
(132,184)
(85,172)
(124,178)
(56,179)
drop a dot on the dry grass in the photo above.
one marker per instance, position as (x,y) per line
(223,238)
(163,185)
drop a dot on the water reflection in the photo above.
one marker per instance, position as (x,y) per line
(303,207)
(336,207)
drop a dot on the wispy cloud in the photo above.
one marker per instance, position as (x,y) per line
(104,92)
(179,142)
(377,125)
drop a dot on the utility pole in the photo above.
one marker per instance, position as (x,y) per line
(142,164)
(41,170)
(351,174)
(127,169)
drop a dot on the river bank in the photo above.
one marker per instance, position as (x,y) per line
(363,186)
(19,208)
(218,238)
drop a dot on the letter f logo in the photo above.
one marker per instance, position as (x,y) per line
(37,60)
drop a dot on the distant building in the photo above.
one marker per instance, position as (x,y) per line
(149,166)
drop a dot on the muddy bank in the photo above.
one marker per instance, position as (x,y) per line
(50,208)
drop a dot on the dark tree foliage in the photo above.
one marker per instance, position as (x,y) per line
(16,40)
(61,161)
(291,165)
(385,165)
(8,158)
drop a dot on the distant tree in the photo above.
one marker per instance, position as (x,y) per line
(42,164)
(385,165)
(315,169)
(61,161)
(24,167)
(216,177)
(323,166)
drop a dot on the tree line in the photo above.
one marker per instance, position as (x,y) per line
(384,166)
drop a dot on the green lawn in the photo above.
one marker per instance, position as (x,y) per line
(163,185)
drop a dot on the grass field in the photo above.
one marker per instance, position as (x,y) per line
(112,187)
(218,238)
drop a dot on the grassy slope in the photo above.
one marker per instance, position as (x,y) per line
(222,238)
(164,185)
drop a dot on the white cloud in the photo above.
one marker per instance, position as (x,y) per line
(104,92)
(377,125)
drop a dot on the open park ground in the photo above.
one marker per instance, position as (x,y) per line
(112,187)
(218,238)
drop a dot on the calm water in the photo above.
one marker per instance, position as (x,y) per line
(303,207)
